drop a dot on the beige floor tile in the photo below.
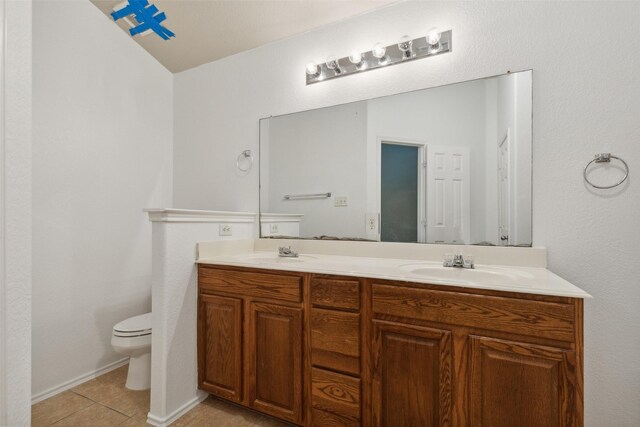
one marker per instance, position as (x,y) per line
(136,422)
(131,403)
(117,405)
(117,376)
(57,407)
(100,389)
(190,416)
(95,416)
(218,413)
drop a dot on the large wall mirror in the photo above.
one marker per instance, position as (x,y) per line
(450,164)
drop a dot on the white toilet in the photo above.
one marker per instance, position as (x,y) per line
(132,337)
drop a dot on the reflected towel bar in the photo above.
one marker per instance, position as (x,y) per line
(307,196)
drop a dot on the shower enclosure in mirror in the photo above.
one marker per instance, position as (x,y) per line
(450,164)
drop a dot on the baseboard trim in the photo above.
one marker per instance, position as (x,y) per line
(77,381)
(165,421)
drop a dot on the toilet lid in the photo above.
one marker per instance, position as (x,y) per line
(140,324)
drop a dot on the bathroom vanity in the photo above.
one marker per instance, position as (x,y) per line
(333,340)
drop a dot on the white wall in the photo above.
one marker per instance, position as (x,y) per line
(324,151)
(102,152)
(586,100)
(174,373)
(15,213)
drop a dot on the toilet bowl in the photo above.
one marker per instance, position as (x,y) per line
(132,337)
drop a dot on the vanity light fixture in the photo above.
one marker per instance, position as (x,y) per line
(405,50)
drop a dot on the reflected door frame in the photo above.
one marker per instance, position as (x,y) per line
(422,179)
(505,225)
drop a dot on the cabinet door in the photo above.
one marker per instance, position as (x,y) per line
(411,375)
(220,346)
(275,371)
(520,384)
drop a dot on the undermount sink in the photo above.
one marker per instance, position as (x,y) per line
(259,258)
(465,275)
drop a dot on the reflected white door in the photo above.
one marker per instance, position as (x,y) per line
(503,191)
(448,195)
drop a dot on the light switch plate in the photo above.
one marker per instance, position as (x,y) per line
(225,230)
(273,229)
(340,202)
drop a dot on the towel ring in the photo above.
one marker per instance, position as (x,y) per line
(246,154)
(605,158)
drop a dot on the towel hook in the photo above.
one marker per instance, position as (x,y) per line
(246,154)
(605,158)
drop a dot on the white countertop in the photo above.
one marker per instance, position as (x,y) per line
(531,280)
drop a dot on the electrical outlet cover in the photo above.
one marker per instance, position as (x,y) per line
(372,223)
(273,229)
(225,230)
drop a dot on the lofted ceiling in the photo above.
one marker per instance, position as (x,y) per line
(207,30)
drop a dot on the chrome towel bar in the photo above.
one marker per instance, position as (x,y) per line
(307,196)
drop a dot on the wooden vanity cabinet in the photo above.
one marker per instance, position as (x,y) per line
(319,350)
(250,339)
(411,381)
(462,357)
(275,360)
(336,348)
(220,346)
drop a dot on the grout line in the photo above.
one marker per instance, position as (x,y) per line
(73,413)
(81,395)
(113,409)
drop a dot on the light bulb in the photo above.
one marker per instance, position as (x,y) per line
(313,69)
(378,50)
(356,59)
(405,46)
(334,64)
(433,36)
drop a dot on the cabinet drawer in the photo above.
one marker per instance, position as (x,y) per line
(335,398)
(527,317)
(335,293)
(335,340)
(263,285)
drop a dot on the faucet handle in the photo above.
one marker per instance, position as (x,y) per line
(448,260)
(467,261)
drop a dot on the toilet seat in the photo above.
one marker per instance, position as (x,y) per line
(136,326)
(132,338)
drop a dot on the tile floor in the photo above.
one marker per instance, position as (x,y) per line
(105,401)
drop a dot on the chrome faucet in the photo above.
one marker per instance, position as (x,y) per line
(287,252)
(458,261)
